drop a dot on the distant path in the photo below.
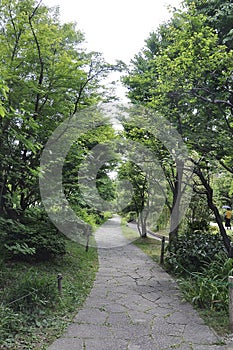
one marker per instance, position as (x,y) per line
(151,234)
(134,305)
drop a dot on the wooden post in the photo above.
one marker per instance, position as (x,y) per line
(88,237)
(162,250)
(230,281)
(59,283)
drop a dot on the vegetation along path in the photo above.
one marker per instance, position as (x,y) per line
(134,305)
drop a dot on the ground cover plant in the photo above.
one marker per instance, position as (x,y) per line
(32,313)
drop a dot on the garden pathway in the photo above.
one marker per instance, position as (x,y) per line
(134,305)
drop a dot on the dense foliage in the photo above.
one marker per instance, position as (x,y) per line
(46,77)
(193,252)
(201,265)
(36,239)
(208,289)
(185,73)
(49,77)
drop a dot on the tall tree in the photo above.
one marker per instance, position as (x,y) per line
(186,74)
(164,157)
(219,15)
(50,77)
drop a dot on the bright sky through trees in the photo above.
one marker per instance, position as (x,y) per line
(116,28)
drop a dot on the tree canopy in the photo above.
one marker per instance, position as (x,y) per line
(46,77)
(185,73)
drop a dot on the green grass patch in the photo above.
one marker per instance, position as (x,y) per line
(129,232)
(163,232)
(150,246)
(32,313)
(218,320)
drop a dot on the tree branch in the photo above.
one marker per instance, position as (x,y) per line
(41,75)
(205,99)
(17,35)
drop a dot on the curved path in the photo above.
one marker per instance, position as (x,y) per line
(134,305)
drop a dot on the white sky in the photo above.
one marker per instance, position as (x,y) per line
(116,28)
(119,28)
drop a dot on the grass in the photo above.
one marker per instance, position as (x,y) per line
(161,232)
(128,232)
(21,328)
(215,317)
(150,246)
(218,320)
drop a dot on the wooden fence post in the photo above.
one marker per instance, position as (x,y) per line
(88,233)
(59,283)
(162,250)
(230,281)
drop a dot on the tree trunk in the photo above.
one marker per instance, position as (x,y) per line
(218,218)
(175,210)
(142,226)
(3,192)
(144,231)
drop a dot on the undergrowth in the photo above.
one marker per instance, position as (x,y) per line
(32,313)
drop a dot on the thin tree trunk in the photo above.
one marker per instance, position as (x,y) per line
(218,218)
(175,210)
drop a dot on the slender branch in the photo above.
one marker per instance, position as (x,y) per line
(41,75)
(230,169)
(205,99)
(17,35)
(90,77)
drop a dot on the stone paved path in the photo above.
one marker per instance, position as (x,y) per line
(134,305)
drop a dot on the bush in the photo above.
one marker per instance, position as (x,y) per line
(130,216)
(200,224)
(203,267)
(209,288)
(193,251)
(33,239)
(91,216)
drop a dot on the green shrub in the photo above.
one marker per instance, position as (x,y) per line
(130,216)
(107,215)
(201,224)
(193,251)
(91,216)
(203,267)
(34,239)
(209,288)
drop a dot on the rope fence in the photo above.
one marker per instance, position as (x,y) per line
(59,287)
